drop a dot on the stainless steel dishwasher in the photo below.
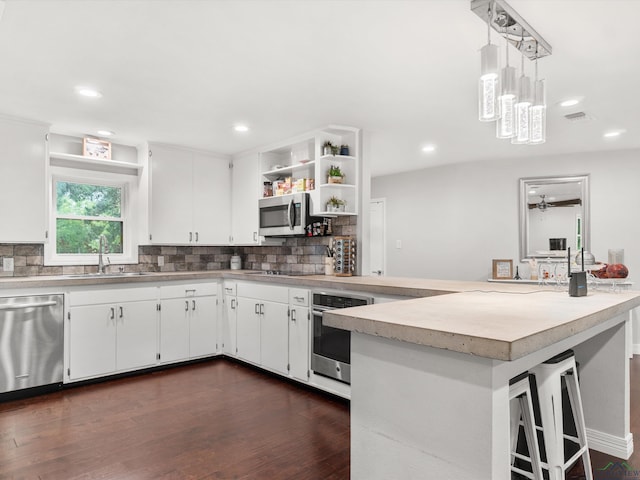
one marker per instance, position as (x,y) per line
(31,341)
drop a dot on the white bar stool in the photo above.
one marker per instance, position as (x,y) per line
(548,377)
(521,406)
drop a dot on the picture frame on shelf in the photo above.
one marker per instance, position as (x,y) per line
(96,148)
(502,269)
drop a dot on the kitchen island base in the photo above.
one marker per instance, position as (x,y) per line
(423,412)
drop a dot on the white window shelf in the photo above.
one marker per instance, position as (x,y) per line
(80,161)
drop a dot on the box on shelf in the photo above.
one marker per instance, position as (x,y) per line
(286,186)
(299,185)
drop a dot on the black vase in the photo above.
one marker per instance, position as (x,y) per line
(344,150)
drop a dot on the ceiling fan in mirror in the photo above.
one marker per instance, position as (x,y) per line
(543,204)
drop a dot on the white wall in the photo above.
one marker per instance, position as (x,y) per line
(453,220)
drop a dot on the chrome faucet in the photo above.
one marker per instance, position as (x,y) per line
(101,250)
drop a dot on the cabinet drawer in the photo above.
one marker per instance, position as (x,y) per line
(260,291)
(229,288)
(102,295)
(299,297)
(188,290)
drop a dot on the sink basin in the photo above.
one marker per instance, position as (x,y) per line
(106,275)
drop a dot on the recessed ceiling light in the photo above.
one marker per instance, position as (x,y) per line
(88,92)
(570,102)
(105,133)
(241,128)
(613,133)
(429,148)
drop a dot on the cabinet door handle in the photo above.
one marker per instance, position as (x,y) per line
(228,289)
(186,305)
(193,304)
(300,299)
(113,313)
(196,237)
(191,236)
(121,311)
(257,309)
(262,309)
(293,315)
(255,236)
(233,304)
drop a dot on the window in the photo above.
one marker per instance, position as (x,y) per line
(83,213)
(84,207)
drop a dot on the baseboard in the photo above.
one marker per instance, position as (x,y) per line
(620,447)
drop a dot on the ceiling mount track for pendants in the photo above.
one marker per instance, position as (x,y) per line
(508,23)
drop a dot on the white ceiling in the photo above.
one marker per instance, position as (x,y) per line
(185,71)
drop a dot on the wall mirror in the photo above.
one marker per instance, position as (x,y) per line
(554,216)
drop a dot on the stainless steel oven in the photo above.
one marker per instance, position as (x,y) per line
(331,353)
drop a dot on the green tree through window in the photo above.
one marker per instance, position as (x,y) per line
(83,213)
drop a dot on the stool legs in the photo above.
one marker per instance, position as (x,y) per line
(522,407)
(548,380)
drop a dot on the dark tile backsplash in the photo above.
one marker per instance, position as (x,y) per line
(296,255)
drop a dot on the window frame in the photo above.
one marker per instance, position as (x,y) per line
(129,253)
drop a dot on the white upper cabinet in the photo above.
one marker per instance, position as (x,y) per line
(211,199)
(244,200)
(190,197)
(22,169)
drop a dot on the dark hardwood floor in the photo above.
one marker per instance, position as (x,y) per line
(213,420)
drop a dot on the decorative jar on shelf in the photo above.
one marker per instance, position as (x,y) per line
(344,149)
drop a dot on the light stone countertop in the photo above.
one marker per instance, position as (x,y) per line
(503,325)
(503,321)
(400,286)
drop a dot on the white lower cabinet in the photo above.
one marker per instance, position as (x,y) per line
(111,331)
(299,334)
(188,321)
(229,319)
(262,325)
(248,329)
(274,336)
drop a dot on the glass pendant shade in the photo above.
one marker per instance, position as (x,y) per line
(522,107)
(538,115)
(506,127)
(489,84)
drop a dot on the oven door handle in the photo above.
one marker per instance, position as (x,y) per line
(319,313)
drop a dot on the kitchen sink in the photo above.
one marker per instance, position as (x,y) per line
(106,275)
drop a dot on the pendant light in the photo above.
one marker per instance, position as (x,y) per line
(505,128)
(489,84)
(522,107)
(538,112)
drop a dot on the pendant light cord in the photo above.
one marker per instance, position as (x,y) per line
(489,17)
(536,61)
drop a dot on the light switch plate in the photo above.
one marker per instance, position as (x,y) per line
(7,264)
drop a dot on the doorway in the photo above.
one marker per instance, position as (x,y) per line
(377,233)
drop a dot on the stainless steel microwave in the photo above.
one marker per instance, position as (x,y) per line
(284,216)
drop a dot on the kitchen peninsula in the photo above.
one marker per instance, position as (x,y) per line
(430,376)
